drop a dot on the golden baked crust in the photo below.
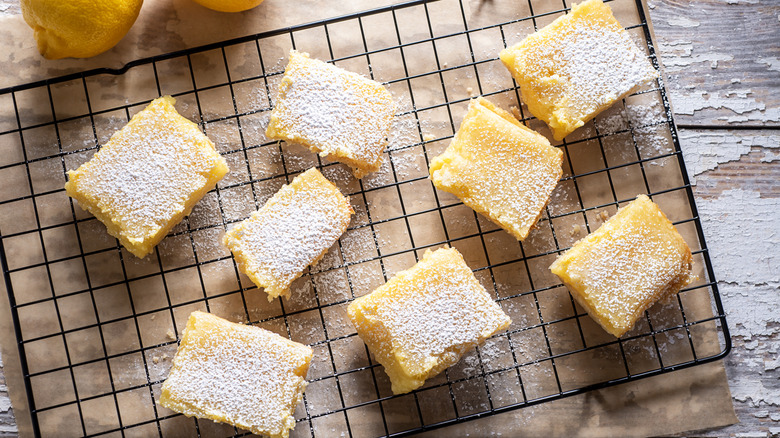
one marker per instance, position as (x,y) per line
(333,112)
(148,176)
(293,230)
(425,318)
(238,374)
(499,167)
(577,66)
(633,260)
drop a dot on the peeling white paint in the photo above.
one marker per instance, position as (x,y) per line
(772,63)
(5,404)
(756,394)
(743,235)
(770,156)
(7,421)
(681,21)
(679,56)
(757,434)
(741,101)
(704,151)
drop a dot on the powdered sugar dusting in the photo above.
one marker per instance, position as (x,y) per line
(578,65)
(439,319)
(634,259)
(292,230)
(431,313)
(333,111)
(148,172)
(600,64)
(247,376)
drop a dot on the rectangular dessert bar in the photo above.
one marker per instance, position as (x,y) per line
(148,176)
(293,230)
(633,260)
(577,66)
(499,167)
(336,113)
(237,374)
(425,318)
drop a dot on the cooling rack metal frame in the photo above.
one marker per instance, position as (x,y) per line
(687,324)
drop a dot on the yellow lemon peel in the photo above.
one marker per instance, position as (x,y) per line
(79,28)
(229,5)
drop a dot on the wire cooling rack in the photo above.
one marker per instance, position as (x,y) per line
(97,327)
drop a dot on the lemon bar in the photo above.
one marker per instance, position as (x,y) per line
(237,374)
(425,318)
(499,167)
(633,260)
(293,230)
(334,112)
(577,66)
(148,176)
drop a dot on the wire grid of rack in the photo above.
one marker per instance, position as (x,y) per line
(96,327)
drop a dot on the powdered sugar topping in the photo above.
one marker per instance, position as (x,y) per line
(149,170)
(631,261)
(600,64)
(249,376)
(436,307)
(292,230)
(585,60)
(333,110)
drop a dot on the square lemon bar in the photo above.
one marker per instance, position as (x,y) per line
(499,167)
(334,112)
(148,176)
(633,260)
(293,230)
(425,318)
(237,374)
(577,66)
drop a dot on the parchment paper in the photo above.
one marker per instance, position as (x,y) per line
(692,399)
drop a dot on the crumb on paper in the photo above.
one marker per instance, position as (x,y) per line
(575,230)
(603,215)
(170,335)
(156,359)
(429,137)
(515,111)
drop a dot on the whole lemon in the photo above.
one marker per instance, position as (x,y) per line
(79,28)
(229,5)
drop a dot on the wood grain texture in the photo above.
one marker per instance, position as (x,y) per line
(735,175)
(722,58)
(7,421)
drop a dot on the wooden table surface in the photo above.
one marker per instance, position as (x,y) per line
(722,58)
(723,62)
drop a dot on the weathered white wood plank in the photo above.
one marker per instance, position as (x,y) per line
(736,176)
(7,421)
(722,58)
